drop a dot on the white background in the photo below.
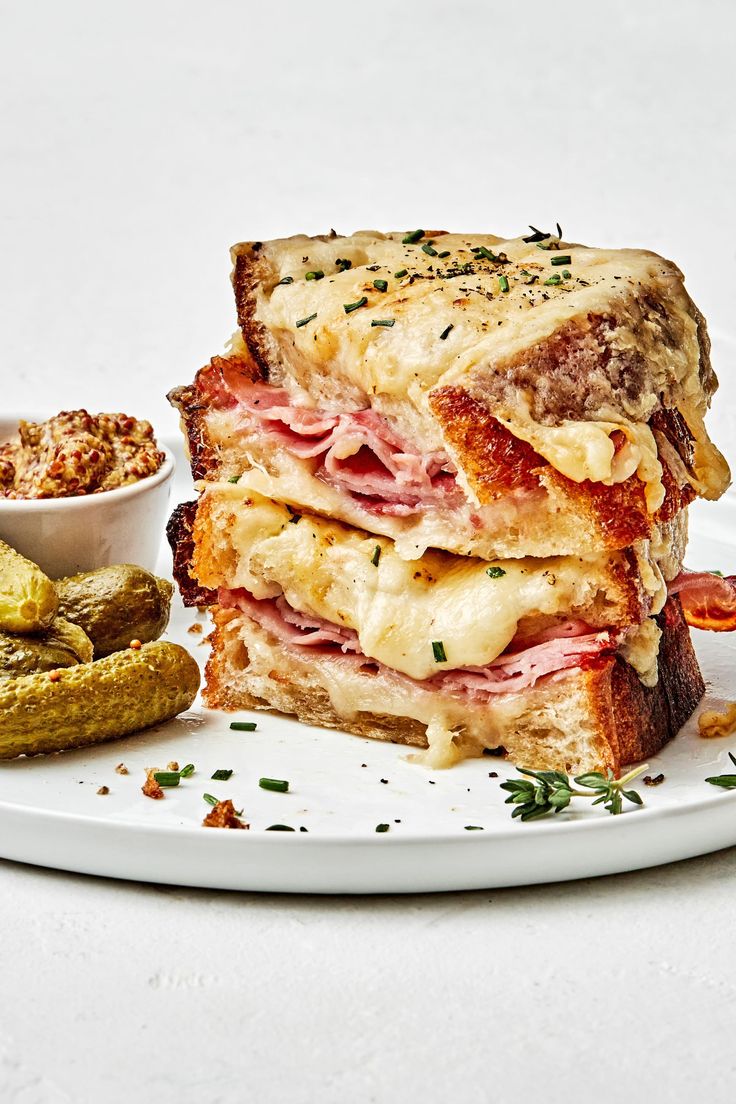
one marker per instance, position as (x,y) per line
(139,140)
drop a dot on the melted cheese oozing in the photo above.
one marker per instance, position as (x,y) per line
(397,607)
(584,450)
(640,649)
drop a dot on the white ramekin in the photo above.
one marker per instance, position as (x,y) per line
(66,535)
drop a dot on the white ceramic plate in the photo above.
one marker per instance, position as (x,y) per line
(342,786)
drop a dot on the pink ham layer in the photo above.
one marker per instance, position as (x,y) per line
(557,649)
(358,452)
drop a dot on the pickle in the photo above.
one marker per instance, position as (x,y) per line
(28,601)
(93,702)
(62,645)
(115,605)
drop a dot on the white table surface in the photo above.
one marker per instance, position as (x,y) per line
(138,141)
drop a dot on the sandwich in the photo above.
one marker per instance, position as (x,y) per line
(444,485)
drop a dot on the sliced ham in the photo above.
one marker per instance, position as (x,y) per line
(708,600)
(521,670)
(358,452)
(287,624)
(556,649)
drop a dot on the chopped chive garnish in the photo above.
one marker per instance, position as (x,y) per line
(382,827)
(234,478)
(443,254)
(243,726)
(495,572)
(278,785)
(382,322)
(561,259)
(566,274)
(167,778)
(306,321)
(429,249)
(376,555)
(187,771)
(503,283)
(343,264)
(280,828)
(380,285)
(221,775)
(413,237)
(482,251)
(446,331)
(556,279)
(317,274)
(400,273)
(286,280)
(716,572)
(438,651)
(350,307)
(473,828)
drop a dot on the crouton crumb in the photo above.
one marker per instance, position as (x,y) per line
(195,628)
(103,790)
(223,815)
(121,769)
(151,787)
(173,765)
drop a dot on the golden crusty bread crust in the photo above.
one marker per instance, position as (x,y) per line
(597,718)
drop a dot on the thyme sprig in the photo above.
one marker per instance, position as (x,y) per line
(543,792)
(725,781)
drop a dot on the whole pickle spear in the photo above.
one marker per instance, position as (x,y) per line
(62,645)
(94,702)
(28,600)
(115,605)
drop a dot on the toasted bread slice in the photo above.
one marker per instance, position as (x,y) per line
(398,608)
(514,502)
(563,344)
(600,717)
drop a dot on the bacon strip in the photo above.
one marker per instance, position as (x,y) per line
(708,600)
(556,649)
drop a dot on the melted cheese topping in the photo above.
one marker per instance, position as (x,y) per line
(436,292)
(451,318)
(397,607)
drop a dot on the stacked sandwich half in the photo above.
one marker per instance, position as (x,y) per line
(444,490)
